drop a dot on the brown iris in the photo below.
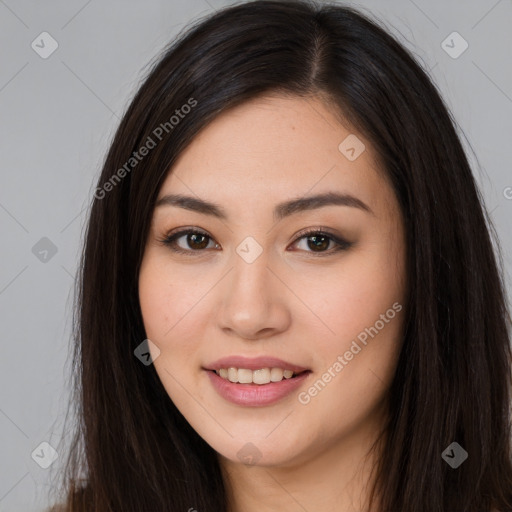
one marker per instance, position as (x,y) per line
(324,244)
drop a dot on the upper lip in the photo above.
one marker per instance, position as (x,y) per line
(255,363)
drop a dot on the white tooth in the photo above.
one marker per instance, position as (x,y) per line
(276,374)
(233,374)
(244,376)
(261,376)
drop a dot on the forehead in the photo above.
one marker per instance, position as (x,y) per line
(274,147)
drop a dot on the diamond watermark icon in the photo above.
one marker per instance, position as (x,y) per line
(44,455)
(454,45)
(44,45)
(249,454)
(351,147)
(249,249)
(454,455)
(44,250)
(147,352)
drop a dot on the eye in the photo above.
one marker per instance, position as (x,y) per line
(195,240)
(319,240)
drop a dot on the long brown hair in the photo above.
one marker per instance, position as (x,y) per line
(132,449)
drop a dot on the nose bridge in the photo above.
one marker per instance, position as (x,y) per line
(250,272)
(250,250)
(251,304)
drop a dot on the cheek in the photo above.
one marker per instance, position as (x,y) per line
(357,298)
(162,309)
(173,313)
(356,364)
(363,306)
(164,297)
(153,298)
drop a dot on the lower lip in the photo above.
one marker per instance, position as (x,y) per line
(254,395)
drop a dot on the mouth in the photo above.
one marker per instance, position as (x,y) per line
(259,377)
(251,394)
(255,382)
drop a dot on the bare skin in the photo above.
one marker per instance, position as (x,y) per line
(302,302)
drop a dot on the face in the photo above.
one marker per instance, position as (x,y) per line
(264,276)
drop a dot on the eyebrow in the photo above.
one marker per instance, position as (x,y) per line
(281,210)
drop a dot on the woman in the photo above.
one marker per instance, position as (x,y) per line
(288,296)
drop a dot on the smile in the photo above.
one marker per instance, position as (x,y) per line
(260,376)
(250,394)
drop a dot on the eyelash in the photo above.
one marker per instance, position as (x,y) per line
(342,245)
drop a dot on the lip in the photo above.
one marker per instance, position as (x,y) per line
(255,363)
(255,395)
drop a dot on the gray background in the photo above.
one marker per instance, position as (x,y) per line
(57,116)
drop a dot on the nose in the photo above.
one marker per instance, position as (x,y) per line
(252,303)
